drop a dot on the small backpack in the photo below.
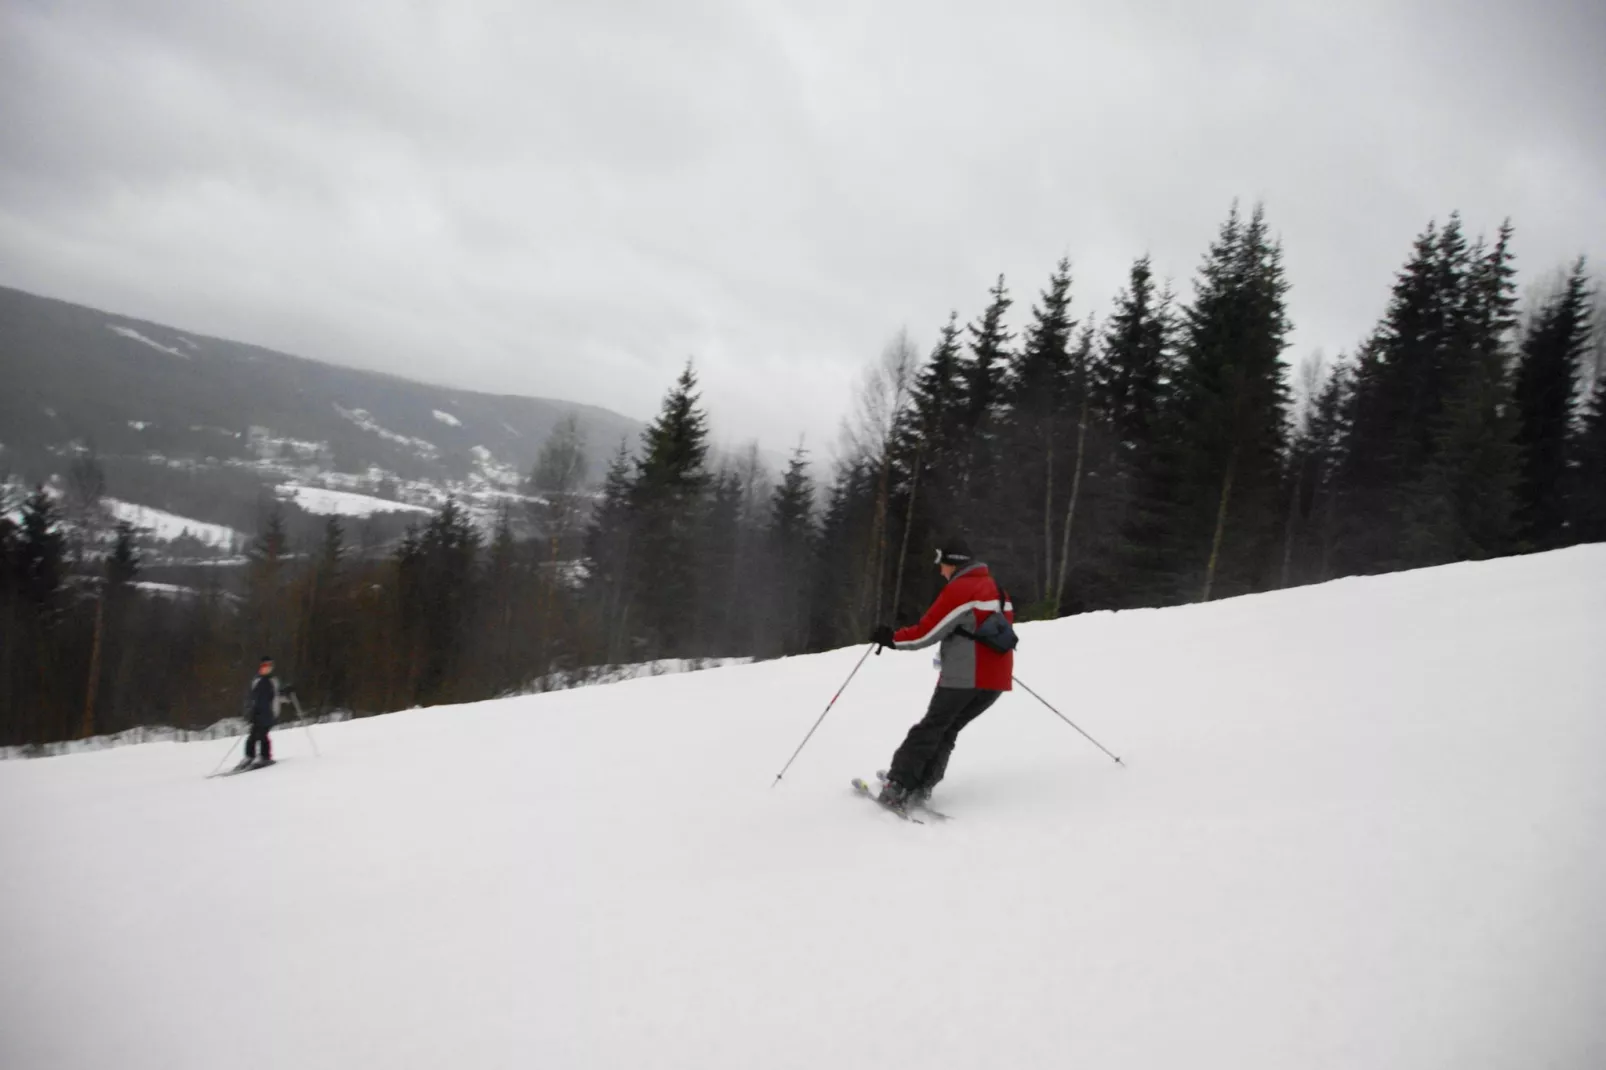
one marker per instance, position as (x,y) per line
(995,633)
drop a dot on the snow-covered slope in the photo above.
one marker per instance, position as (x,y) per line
(321,501)
(167,526)
(1361,827)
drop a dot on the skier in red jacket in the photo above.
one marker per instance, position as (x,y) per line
(973,674)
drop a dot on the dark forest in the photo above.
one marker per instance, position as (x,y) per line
(1166,452)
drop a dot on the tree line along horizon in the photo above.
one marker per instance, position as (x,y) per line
(1155,458)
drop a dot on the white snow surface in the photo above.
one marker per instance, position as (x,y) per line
(321,501)
(493,471)
(166,590)
(446,418)
(1360,826)
(129,332)
(169,526)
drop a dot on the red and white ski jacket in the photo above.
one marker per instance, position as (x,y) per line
(968,599)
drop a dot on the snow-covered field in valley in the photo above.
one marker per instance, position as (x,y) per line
(324,502)
(1361,826)
(169,526)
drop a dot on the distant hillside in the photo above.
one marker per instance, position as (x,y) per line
(208,428)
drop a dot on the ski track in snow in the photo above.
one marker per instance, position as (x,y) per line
(1360,826)
(364,420)
(129,332)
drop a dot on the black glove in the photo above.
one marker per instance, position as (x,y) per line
(882,636)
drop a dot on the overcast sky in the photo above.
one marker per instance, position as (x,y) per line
(572,199)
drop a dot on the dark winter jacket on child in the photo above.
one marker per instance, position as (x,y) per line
(262,704)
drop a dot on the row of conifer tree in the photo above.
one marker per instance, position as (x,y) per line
(1156,458)
(1159,456)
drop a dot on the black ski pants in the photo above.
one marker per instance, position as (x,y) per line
(923,759)
(259,734)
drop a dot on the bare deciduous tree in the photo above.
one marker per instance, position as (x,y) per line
(83,505)
(883,392)
(557,482)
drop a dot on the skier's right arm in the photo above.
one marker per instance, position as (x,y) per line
(948,612)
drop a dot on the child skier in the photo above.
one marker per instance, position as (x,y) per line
(973,675)
(262,710)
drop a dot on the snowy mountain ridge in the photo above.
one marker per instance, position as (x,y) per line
(204,428)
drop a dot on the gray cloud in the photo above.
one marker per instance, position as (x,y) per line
(570,200)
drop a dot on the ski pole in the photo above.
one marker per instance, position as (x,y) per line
(225,757)
(828,706)
(306,724)
(1067,720)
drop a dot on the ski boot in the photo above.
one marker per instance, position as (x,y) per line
(915,797)
(893,796)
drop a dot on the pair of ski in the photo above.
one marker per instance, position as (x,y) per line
(864,789)
(246,767)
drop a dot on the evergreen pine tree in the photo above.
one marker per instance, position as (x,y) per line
(1403,380)
(1552,355)
(437,579)
(937,411)
(929,452)
(324,663)
(122,566)
(791,541)
(1131,373)
(1079,403)
(1463,504)
(840,615)
(723,609)
(983,374)
(609,546)
(32,654)
(268,606)
(1315,456)
(1037,398)
(983,370)
(666,506)
(1133,369)
(1216,487)
(1036,378)
(109,642)
(1587,504)
(39,557)
(9,530)
(332,551)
